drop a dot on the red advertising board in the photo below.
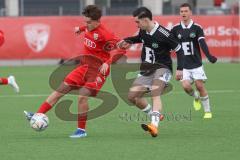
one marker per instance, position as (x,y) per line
(53,37)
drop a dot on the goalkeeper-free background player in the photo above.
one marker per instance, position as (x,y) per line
(11,79)
(156,65)
(191,37)
(90,75)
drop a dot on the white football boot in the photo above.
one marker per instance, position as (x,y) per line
(12,82)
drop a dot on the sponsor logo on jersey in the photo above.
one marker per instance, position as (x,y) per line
(95,36)
(192,35)
(37,36)
(89,43)
(154,45)
(179,36)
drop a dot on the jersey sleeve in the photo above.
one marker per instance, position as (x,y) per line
(172,42)
(178,50)
(134,39)
(173,32)
(200,33)
(111,46)
(82,28)
(174,45)
(110,41)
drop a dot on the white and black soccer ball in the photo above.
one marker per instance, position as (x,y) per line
(39,122)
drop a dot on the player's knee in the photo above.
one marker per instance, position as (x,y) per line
(82,99)
(132,97)
(200,87)
(186,85)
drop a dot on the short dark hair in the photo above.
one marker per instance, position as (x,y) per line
(186,5)
(142,12)
(93,12)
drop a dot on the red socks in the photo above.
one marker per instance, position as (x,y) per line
(4,81)
(82,119)
(45,107)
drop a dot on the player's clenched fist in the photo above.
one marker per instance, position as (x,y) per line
(212,59)
(79,30)
(179,75)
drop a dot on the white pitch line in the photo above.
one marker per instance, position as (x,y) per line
(212,91)
(46,95)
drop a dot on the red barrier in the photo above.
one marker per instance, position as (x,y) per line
(53,37)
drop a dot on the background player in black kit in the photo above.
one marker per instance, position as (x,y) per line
(191,37)
(156,66)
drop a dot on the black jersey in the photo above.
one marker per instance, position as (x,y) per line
(156,47)
(189,37)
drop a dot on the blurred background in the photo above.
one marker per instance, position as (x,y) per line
(113,7)
(42,30)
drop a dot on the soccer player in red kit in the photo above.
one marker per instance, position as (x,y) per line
(11,79)
(92,71)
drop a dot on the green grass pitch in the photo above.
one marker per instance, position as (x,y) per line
(113,137)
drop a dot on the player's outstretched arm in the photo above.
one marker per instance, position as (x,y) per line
(127,42)
(78,30)
(124,45)
(205,50)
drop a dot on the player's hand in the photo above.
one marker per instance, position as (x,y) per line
(212,59)
(179,75)
(123,44)
(77,30)
(104,68)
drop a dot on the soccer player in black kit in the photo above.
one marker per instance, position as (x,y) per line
(191,37)
(156,66)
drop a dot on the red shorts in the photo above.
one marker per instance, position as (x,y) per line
(84,76)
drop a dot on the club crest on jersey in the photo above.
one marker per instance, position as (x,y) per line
(179,36)
(192,35)
(95,36)
(37,36)
(154,45)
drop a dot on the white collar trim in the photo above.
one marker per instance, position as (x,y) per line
(154,29)
(189,25)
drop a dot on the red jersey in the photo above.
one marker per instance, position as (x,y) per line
(99,42)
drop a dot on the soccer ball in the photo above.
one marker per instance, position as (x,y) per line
(39,122)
